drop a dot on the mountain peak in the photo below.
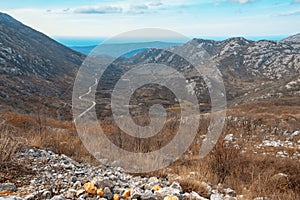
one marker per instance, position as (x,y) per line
(6,17)
(200,40)
(239,40)
(292,39)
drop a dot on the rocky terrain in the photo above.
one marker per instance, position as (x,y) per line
(34,69)
(43,174)
(251,70)
(292,39)
(261,134)
(58,177)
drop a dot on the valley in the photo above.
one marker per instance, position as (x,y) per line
(43,157)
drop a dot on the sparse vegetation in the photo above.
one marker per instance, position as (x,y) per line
(9,143)
(8,146)
(231,164)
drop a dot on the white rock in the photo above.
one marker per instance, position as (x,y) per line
(167,191)
(196,196)
(176,185)
(216,196)
(229,137)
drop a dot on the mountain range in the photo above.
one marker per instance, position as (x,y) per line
(252,72)
(114,49)
(36,72)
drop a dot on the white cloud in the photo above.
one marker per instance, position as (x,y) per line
(131,7)
(290,13)
(138,9)
(218,2)
(61,21)
(98,10)
(242,1)
(156,4)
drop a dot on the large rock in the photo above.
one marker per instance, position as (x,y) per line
(58,197)
(10,198)
(8,187)
(136,193)
(107,193)
(102,182)
(192,196)
(148,195)
(167,191)
(216,197)
(176,185)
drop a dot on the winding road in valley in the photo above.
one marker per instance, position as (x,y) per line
(88,100)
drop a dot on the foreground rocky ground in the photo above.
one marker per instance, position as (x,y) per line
(58,177)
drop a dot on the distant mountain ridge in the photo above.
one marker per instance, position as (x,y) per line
(36,71)
(114,50)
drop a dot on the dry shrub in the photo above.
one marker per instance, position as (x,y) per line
(190,185)
(270,179)
(248,174)
(23,122)
(8,147)
(62,141)
(223,160)
(262,175)
(44,133)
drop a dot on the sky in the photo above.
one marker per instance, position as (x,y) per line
(104,18)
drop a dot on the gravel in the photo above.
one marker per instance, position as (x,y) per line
(58,177)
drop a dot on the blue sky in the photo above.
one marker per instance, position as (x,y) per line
(104,18)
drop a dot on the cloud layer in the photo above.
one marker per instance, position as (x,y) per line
(292,13)
(242,1)
(207,17)
(130,7)
(98,10)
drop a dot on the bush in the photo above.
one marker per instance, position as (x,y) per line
(8,147)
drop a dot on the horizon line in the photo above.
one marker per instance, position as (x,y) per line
(84,41)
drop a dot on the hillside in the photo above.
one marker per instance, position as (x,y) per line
(256,70)
(252,71)
(35,70)
(292,39)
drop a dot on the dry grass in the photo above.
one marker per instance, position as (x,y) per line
(8,147)
(44,133)
(8,144)
(10,169)
(248,174)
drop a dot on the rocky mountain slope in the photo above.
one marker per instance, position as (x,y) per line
(292,39)
(256,70)
(251,70)
(34,69)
